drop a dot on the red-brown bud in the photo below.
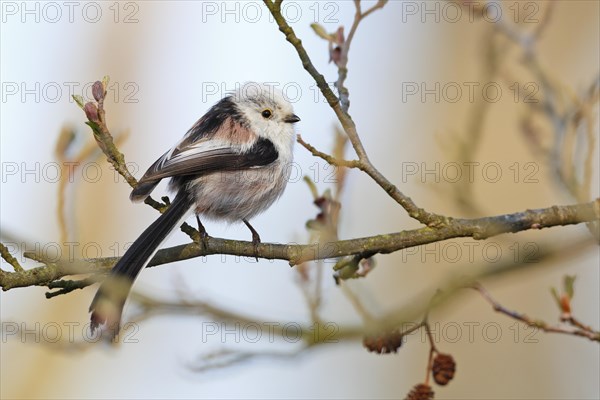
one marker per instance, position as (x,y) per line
(91,112)
(335,55)
(565,303)
(98,91)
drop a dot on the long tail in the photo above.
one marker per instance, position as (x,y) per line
(107,306)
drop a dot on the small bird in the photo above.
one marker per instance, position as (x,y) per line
(231,165)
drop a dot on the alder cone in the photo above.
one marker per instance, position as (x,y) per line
(385,343)
(420,392)
(443,369)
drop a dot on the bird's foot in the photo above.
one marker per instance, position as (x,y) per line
(203,235)
(255,238)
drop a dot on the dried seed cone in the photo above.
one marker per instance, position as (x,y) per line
(385,343)
(443,368)
(420,392)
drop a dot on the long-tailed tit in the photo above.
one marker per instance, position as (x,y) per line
(231,165)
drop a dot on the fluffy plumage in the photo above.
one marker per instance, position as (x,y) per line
(231,165)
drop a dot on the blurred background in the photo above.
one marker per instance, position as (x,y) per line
(434,89)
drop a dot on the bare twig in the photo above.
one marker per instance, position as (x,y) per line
(67,286)
(10,259)
(345,50)
(432,350)
(580,330)
(330,159)
(348,125)
(97,121)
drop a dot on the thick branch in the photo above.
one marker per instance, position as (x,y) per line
(479,228)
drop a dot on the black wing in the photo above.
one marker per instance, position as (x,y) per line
(203,157)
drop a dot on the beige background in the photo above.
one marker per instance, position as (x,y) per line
(166,61)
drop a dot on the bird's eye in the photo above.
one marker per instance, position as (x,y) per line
(266,113)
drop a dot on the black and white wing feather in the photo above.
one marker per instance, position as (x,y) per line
(208,148)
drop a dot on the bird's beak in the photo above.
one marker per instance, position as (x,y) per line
(292,118)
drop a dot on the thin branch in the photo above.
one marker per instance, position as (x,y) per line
(67,286)
(575,322)
(348,125)
(97,121)
(432,350)
(345,50)
(535,323)
(10,259)
(330,159)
